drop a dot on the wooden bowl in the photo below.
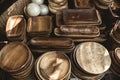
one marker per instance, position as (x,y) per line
(45,71)
(57,4)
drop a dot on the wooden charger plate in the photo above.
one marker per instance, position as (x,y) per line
(93,58)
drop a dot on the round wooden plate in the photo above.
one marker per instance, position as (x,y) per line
(57,67)
(14,56)
(93,58)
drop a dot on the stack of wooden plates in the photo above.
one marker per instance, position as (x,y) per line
(53,66)
(115,62)
(57,5)
(17,60)
(90,61)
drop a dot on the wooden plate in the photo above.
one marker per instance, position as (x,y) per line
(14,56)
(80,74)
(56,59)
(93,58)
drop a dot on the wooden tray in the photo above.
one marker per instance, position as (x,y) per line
(66,33)
(51,43)
(39,26)
(81,16)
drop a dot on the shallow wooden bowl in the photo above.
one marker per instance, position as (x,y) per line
(56,59)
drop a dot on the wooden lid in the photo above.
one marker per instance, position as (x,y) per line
(54,65)
(13,56)
(93,57)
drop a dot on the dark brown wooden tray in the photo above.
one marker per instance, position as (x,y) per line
(39,26)
(81,16)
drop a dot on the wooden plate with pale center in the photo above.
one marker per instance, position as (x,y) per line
(93,58)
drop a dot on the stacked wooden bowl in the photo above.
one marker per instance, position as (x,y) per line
(90,61)
(115,62)
(103,4)
(17,60)
(57,5)
(114,34)
(53,65)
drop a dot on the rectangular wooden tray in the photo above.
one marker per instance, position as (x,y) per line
(81,16)
(39,26)
(60,33)
(51,43)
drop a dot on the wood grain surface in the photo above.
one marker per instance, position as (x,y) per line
(57,66)
(93,57)
(13,56)
(15,26)
(56,43)
(41,25)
